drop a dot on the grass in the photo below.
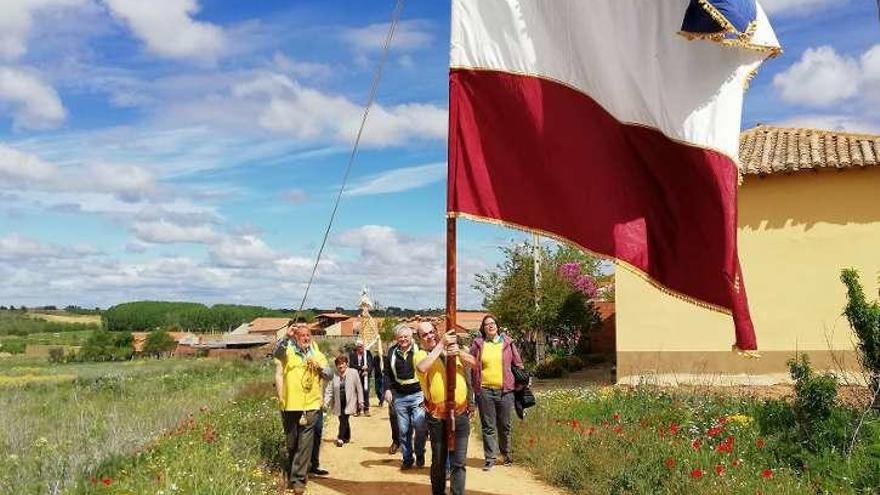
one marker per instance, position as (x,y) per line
(225,451)
(648,441)
(66,318)
(60,423)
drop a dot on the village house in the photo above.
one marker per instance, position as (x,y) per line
(808,207)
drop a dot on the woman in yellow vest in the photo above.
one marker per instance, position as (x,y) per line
(298,372)
(493,382)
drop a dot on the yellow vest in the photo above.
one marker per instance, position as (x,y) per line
(303,389)
(434,386)
(493,366)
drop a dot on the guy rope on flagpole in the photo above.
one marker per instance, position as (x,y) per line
(377,76)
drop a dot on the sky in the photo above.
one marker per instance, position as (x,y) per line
(192,149)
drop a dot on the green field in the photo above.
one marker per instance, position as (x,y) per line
(62,425)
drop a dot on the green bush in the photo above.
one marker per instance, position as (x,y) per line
(572,363)
(159,342)
(106,346)
(864,318)
(13,346)
(553,368)
(56,355)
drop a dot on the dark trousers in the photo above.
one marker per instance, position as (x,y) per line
(316,445)
(300,440)
(378,383)
(440,454)
(365,382)
(395,427)
(495,408)
(344,429)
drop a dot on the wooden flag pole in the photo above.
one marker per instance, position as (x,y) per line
(450,325)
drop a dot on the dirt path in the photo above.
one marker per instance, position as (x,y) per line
(363,467)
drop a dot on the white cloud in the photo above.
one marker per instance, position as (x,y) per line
(842,123)
(300,69)
(287,107)
(16,20)
(169,30)
(246,251)
(820,78)
(16,247)
(408,35)
(165,232)
(401,179)
(34,104)
(798,7)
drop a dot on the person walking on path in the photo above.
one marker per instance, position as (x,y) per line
(344,397)
(403,391)
(431,367)
(298,369)
(362,361)
(493,382)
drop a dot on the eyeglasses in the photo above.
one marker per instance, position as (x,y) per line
(490,324)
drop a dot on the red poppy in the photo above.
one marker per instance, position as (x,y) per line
(673,428)
(722,420)
(735,463)
(616,416)
(618,429)
(591,430)
(713,431)
(719,470)
(106,481)
(696,444)
(670,462)
(575,424)
(760,443)
(726,446)
(767,474)
(661,431)
(697,473)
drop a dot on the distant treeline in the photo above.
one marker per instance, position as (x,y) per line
(192,317)
(17,323)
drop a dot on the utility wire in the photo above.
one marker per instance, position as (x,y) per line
(377,76)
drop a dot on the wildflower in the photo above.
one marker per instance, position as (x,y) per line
(741,419)
(722,420)
(106,481)
(696,444)
(726,446)
(712,432)
(760,443)
(575,424)
(618,429)
(617,417)
(719,470)
(767,474)
(735,463)
(670,462)
(696,473)
(673,429)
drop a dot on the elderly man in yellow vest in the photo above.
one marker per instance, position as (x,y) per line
(298,373)
(431,370)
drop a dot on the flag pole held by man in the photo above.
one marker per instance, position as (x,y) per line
(611,124)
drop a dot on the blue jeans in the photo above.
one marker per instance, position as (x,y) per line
(412,423)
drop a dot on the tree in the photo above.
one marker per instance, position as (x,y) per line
(106,346)
(386,330)
(563,311)
(159,342)
(864,318)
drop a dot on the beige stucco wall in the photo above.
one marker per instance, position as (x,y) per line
(796,233)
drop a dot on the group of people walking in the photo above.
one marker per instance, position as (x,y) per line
(413,383)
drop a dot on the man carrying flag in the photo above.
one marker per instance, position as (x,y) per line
(431,368)
(611,124)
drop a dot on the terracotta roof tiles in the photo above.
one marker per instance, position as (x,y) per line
(768,150)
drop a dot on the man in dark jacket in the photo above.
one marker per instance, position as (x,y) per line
(361,361)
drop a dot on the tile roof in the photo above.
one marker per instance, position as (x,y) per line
(765,150)
(268,325)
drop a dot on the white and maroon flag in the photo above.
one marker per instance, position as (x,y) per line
(613,124)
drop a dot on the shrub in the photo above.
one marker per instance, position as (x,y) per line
(56,355)
(106,346)
(864,318)
(572,363)
(13,346)
(159,342)
(553,368)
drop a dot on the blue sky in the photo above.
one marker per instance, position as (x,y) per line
(192,151)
